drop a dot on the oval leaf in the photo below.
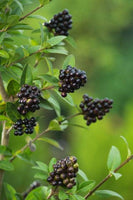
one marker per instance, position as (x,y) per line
(114,158)
(70,60)
(52,142)
(12,112)
(6,165)
(108,193)
(55,40)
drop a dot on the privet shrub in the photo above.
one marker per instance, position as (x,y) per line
(23,92)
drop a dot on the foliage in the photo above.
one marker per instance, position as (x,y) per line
(19,65)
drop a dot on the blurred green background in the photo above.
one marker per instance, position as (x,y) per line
(103,31)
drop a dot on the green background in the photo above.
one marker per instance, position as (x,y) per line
(103,31)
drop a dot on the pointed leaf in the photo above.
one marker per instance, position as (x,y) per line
(108,193)
(114,158)
(39,193)
(6,165)
(55,40)
(51,163)
(70,60)
(26,76)
(13,87)
(5,151)
(10,192)
(4,54)
(11,110)
(55,105)
(128,149)
(51,79)
(52,142)
(116,175)
(83,175)
(41,166)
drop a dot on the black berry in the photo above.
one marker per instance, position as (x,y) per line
(61,23)
(24,126)
(28,99)
(94,109)
(64,172)
(71,79)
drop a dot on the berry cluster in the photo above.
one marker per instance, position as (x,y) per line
(28,99)
(94,109)
(24,126)
(61,23)
(71,79)
(64,172)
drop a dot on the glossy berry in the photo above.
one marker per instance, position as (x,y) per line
(61,23)
(28,99)
(64,172)
(71,79)
(24,126)
(94,109)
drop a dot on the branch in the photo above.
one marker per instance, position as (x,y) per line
(53,192)
(70,117)
(21,59)
(37,8)
(108,176)
(4,142)
(34,185)
(2,90)
(27,145)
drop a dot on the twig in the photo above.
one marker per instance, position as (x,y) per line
(3,91)
(70,117)
(21,59)
(53,191)
(34,185)
(48,88)
(37,8)
(27,145)
(4,142)
(108,176)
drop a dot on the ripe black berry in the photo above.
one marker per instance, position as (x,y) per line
(71,79)
(94,109)
(24,126)
(64,172)
(28,99)
(61,23)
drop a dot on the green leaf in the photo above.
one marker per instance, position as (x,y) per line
(68,99)
(54,125)
(50,79)
(44,103)
(44,2)
(108,193)
(52,142)
(85,186)
(41,166)
(4,54)
(51,163)
(13,87)
(71,41)
(5,151)
(10,192)
(55,40)
(62,195)
(25,156)
(83,175)
(12,20)
(114,158)
(50,65)
(78,197)
(57,51)
(40,193)
(20,5)
(26,76)
(38,17)
(70,60)
(128,149)
(116,175)
(41,176)
(6,165)
(12,112)
(3,118)
(20,27)
(42,33)
(55,105)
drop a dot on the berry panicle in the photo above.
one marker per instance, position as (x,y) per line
(94,109)
(28,99)
(71,79)
(61,23)
(24,126)
(64,172)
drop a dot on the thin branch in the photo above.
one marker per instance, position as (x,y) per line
(48,88)
(70,117)
(21,59)
(108,176)
(4,142)
(3,91)
(37,8)
(27,145)
(34,185)
(53,192)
